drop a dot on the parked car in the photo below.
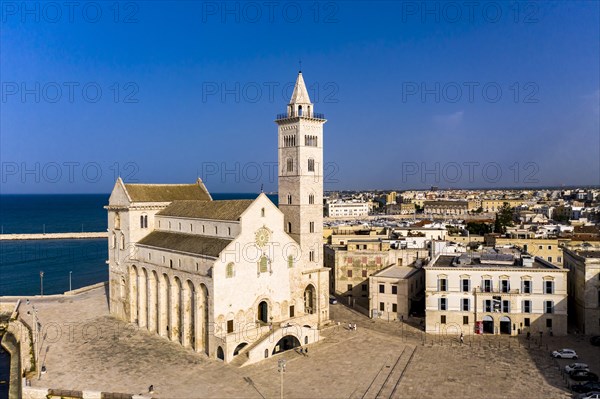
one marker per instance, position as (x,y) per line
(332,300)
(590,386)
(569,368)
(595,340)
(565,354)
(589,395)
(582,375)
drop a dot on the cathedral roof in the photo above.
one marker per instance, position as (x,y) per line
(216,210)
(167,192)
(190,243)
(300,94)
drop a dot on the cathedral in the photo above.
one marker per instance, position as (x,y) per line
(238,280)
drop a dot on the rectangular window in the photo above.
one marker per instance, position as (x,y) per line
(465,304)
(549,306)
(311,256)
(292,311)
(487,305)
(442,284)
(549,323)
(363,287)
(549,287)
(466,285)
(382,306)
(381,289)
(505,306)
(443,319)
(395,289)
(526,286)
(349,287)
(505,286)
(465,319)
(526,306)
(549,258)
(487,285)
(349,273)
(311,227)
(311,165)
(364,273)
(443,305)
(559,259)
(526,322)
(229,326)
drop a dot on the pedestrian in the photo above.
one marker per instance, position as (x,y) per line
(462,338)
(151,388)
(306,351)
(354,326)
(349,326)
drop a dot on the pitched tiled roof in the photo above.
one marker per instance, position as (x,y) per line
(195,244)
(216,210)
(167,192)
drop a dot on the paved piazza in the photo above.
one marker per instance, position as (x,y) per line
(93,351)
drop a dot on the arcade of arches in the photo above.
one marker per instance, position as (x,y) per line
(169,306)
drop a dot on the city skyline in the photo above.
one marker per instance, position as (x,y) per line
(417,97)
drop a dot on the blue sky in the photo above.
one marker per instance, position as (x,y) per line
(416,93)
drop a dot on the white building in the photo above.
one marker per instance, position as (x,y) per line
(495,292)
(227,278)
(346,209)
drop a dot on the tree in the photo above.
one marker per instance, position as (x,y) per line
(478,228)
(504,218)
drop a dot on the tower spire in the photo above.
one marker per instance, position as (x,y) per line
(300,94)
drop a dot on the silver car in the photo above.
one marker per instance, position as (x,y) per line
(576,366)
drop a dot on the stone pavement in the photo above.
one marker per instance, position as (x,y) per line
(86,349)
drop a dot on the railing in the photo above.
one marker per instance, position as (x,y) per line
(315,115)
(497,291)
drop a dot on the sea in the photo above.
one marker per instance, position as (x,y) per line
(64,263)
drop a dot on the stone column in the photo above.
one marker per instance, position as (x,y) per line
(143,299)
(163,310)
(175,315)
(133,296)
(187,315)
(152,302)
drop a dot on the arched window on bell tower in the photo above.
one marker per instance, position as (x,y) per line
(290,165)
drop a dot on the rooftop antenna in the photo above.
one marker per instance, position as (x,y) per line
(261,188)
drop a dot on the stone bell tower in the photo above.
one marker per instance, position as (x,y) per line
(300,155)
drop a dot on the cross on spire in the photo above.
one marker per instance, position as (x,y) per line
(300,63)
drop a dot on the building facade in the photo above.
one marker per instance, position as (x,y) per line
(495,292)
(347,209)
(584,288)
(238,280)
(395,291)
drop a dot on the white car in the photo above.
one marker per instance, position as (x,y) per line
(565,354)
(589,395)
(576,366)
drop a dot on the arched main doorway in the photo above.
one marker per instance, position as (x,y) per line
(505,325)
(220,353)
(488,325)
(263,312)
(285,344)
(309,299)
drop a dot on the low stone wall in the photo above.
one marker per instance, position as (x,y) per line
(22,334)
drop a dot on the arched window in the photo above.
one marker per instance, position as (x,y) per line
(311,165)
(290,165)
(145,221)
(289,199)
(229,231)
(114,240)
(300,110)
(230,271)
(142,221)
(216,230)
(262,212)
(289,227)
(117,221)
(122,241)
(311,199)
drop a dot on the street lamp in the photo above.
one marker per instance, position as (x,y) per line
(281,369)
(41,283)
(70,273)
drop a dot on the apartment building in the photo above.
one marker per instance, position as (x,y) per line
(583,264)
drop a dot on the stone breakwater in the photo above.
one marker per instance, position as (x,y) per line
(54,236)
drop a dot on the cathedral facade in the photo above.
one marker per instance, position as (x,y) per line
(238,280)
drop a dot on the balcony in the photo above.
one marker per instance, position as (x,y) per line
(482,290)
(315,115)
